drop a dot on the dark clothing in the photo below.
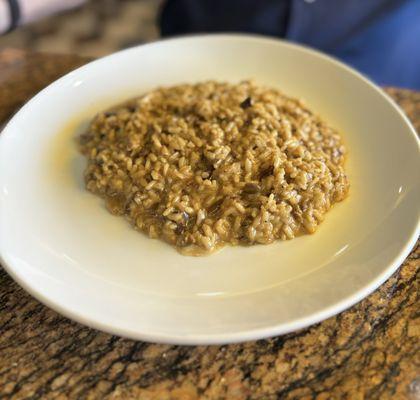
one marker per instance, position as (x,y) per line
(381,38)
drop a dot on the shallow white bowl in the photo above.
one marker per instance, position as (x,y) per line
(58,241)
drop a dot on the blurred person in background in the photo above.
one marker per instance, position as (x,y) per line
(380,38)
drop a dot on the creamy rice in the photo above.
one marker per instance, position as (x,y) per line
(209,164)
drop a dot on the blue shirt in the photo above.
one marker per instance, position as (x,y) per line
(380,38)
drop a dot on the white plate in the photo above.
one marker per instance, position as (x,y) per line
(63,247)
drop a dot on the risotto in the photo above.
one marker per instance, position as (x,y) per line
(208,164)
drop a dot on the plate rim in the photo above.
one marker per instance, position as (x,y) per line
(240,336)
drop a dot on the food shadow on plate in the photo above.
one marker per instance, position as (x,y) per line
(77,162)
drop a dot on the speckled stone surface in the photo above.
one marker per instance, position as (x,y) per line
(371,351)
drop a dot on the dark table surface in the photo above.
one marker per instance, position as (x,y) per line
(371,351)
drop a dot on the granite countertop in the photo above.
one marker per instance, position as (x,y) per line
(371,351)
